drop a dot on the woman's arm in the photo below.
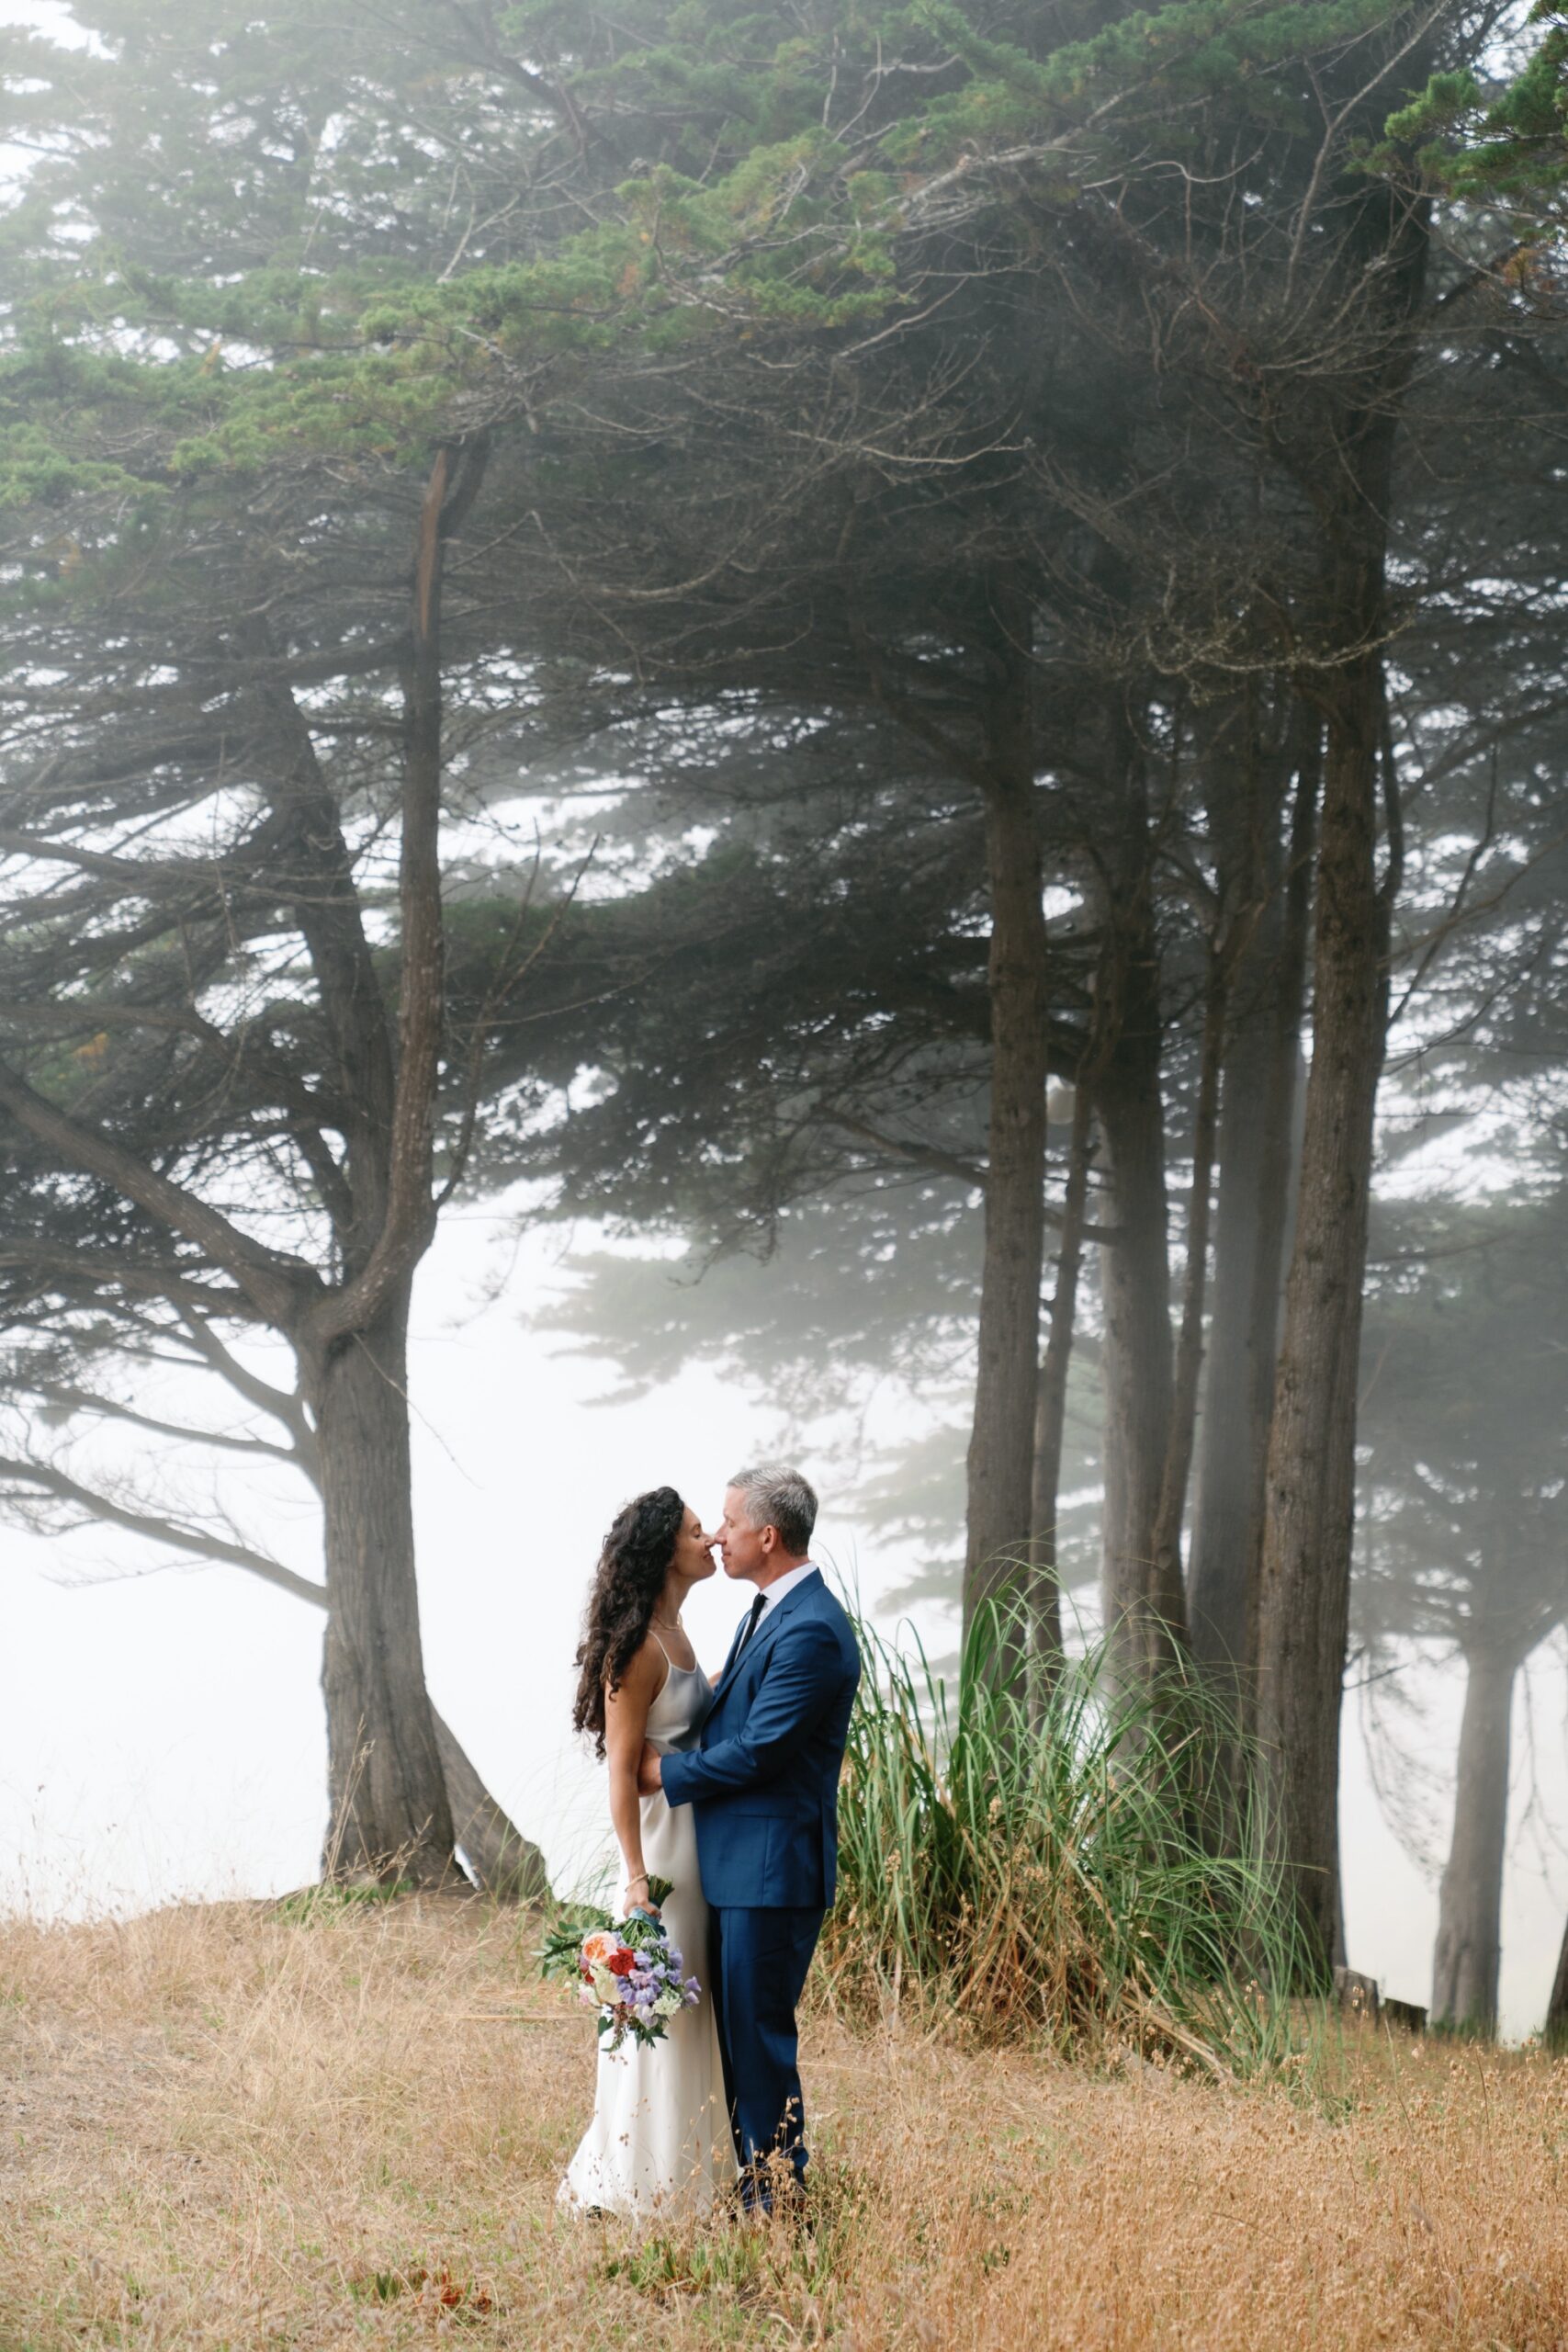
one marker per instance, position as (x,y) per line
(626,1726)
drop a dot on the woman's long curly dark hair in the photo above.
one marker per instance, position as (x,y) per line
(627,1585)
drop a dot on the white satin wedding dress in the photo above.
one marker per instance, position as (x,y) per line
(659,2140)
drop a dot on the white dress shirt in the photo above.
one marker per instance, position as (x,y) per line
(773,1593)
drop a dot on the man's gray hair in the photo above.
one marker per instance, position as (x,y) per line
(775,1495)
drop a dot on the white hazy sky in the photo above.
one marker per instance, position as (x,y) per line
(162,1735)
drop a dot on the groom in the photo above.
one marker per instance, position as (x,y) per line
(764,1785)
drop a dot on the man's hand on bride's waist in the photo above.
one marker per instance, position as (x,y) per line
(649,1770)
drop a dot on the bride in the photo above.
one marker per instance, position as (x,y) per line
(660,2138)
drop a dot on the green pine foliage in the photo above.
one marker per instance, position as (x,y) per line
(1498,144)
(751,207)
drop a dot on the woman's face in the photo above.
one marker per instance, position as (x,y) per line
(693,1557)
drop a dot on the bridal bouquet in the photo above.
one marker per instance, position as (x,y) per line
(627,1969)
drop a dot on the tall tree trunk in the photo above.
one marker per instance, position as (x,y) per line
(1134,1274)
(1051,1404)
(390,1812)
(390,1817)
(1304,1583)
(1257,1153)
(1556,2031)
(1468,1947)
(1170,1593)
(1001,1447)
(505,1862)
(1345,462)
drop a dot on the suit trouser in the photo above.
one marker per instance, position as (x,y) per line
(759,1961)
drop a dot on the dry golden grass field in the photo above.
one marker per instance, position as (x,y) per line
(228,2127)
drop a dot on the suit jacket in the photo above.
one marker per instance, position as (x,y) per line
(764,1784)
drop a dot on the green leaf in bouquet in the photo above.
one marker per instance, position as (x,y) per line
(642,1931)
(561,1950)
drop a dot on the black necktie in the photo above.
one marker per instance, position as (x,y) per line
(750,1625)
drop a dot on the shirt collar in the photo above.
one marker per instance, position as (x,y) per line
(773,1593)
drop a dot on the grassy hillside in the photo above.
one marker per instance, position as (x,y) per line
(225,2127)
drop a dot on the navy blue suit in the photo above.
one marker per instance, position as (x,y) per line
(764,1786)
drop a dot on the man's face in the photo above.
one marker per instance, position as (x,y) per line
(743,1547)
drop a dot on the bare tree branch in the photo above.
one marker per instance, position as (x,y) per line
(275,1284)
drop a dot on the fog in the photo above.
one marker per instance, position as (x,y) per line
(896,996)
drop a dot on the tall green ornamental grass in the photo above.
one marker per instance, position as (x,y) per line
(1056,1879)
